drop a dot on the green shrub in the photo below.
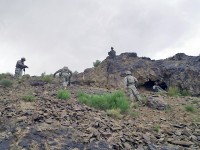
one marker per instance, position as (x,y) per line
(6,76)
(75,72)
(156,128)
(185,93)
(190,108)
(63,94)
(115,113)
(135,105)
(173,91)
(28,97)
(47,78)
(96,63)
(135,113)
(115,100)
(144,99)
(6,83)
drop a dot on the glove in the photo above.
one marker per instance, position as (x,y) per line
(26,66)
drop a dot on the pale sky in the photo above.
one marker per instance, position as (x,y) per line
(51,34)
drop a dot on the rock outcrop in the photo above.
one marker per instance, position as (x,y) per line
(180,70)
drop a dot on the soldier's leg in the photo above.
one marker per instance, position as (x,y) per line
(137,95)
(69,81)
(18,73)
(130,91)
(64,82)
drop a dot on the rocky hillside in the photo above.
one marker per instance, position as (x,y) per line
(49,123)
(180,70)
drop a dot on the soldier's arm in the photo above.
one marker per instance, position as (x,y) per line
(125,82)
(70,72)
(57,72)
(21,65)
(135,79)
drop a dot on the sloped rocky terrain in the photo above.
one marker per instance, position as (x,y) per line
(49,123)
(180,70)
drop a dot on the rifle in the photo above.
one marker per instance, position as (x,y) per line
(25,69)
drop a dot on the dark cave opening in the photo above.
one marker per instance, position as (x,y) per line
(149,85)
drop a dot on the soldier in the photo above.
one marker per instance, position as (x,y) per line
(157,88)
(20,67)
(65,74)
(130,83)
(112,53)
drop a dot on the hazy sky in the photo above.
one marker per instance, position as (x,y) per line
(51,34)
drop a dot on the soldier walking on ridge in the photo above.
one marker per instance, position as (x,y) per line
(20,67)
(130,83)
(65,74)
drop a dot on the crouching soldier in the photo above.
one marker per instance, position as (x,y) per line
(157,88)
(65,74)
(20,67)
(130,83)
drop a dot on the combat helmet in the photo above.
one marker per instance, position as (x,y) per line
(23,59)
(128,73)
(65,68)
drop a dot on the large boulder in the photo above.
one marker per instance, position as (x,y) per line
(180,70)
(157,103)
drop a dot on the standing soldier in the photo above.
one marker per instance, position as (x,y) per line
(65,74)
(130,83)
(20,67)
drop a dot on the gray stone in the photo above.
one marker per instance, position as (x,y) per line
(157,103)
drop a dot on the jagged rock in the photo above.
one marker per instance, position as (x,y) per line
(127,146)
(170,72)
(182,143)
(157,103)
(37,83)
(146,138)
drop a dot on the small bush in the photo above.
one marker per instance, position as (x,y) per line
(63,94)
(185,93)
(96,63)
(6,83)
(6,76)
(115,113)
(173,91)
(135,113)
(144,99)
(115,100)
(47,78)
(28,98)
(190,108)
(135,105)
(156,128)
(75,72)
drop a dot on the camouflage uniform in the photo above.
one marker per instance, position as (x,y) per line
(157,88)
(130,82)
(65,74)
(112,53)
(20,67)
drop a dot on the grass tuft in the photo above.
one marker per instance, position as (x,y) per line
(173,91)
(115,100)
(6,83)
(63,94)
(185,93)
(190,108)
(135,114)
(156,128)
(28,97)
(96,63)
(47,78)
(115,113)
